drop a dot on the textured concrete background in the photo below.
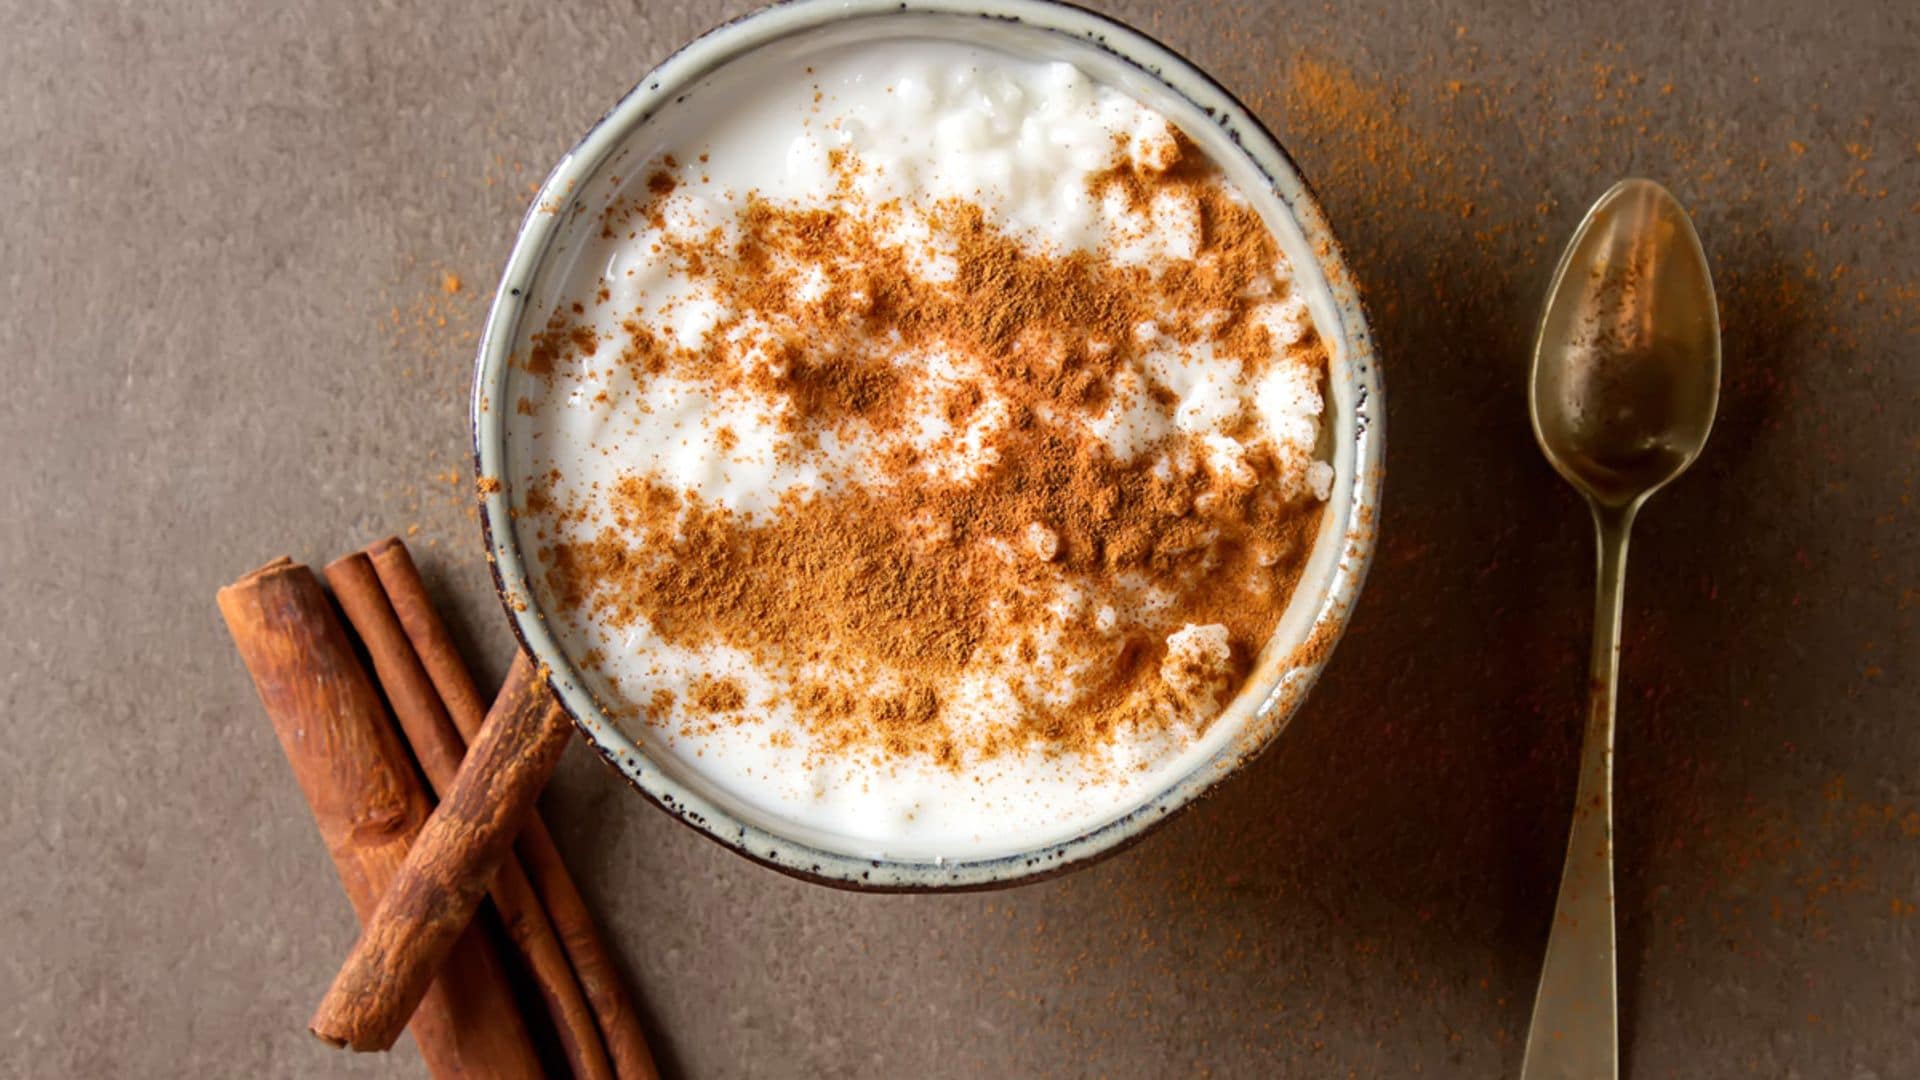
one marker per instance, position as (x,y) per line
(227,334)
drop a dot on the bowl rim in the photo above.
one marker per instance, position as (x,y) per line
(1299,672)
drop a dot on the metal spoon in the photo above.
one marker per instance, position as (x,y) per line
(1626,378)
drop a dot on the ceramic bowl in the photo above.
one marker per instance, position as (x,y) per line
(1109,52)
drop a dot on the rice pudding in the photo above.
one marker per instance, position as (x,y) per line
(922,448)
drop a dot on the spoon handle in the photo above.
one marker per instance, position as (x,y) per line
(1575,1031)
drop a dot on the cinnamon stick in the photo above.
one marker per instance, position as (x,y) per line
(448,868)
(619,1021)
(439,749)
(367,801)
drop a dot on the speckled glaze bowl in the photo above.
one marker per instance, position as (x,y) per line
(1109,52)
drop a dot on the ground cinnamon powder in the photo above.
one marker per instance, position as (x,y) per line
(892,587)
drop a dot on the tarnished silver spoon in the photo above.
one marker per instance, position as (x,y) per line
(1626,378)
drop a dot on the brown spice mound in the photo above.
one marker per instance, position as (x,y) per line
(718,695)
(879,595)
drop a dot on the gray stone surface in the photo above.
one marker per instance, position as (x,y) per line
(224,250)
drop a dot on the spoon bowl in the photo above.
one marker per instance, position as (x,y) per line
(1626,368)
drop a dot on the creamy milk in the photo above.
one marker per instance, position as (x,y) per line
(926,121)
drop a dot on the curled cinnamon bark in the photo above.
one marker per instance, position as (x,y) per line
(449,867)
(592,962)
(367,800)
(439,749)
